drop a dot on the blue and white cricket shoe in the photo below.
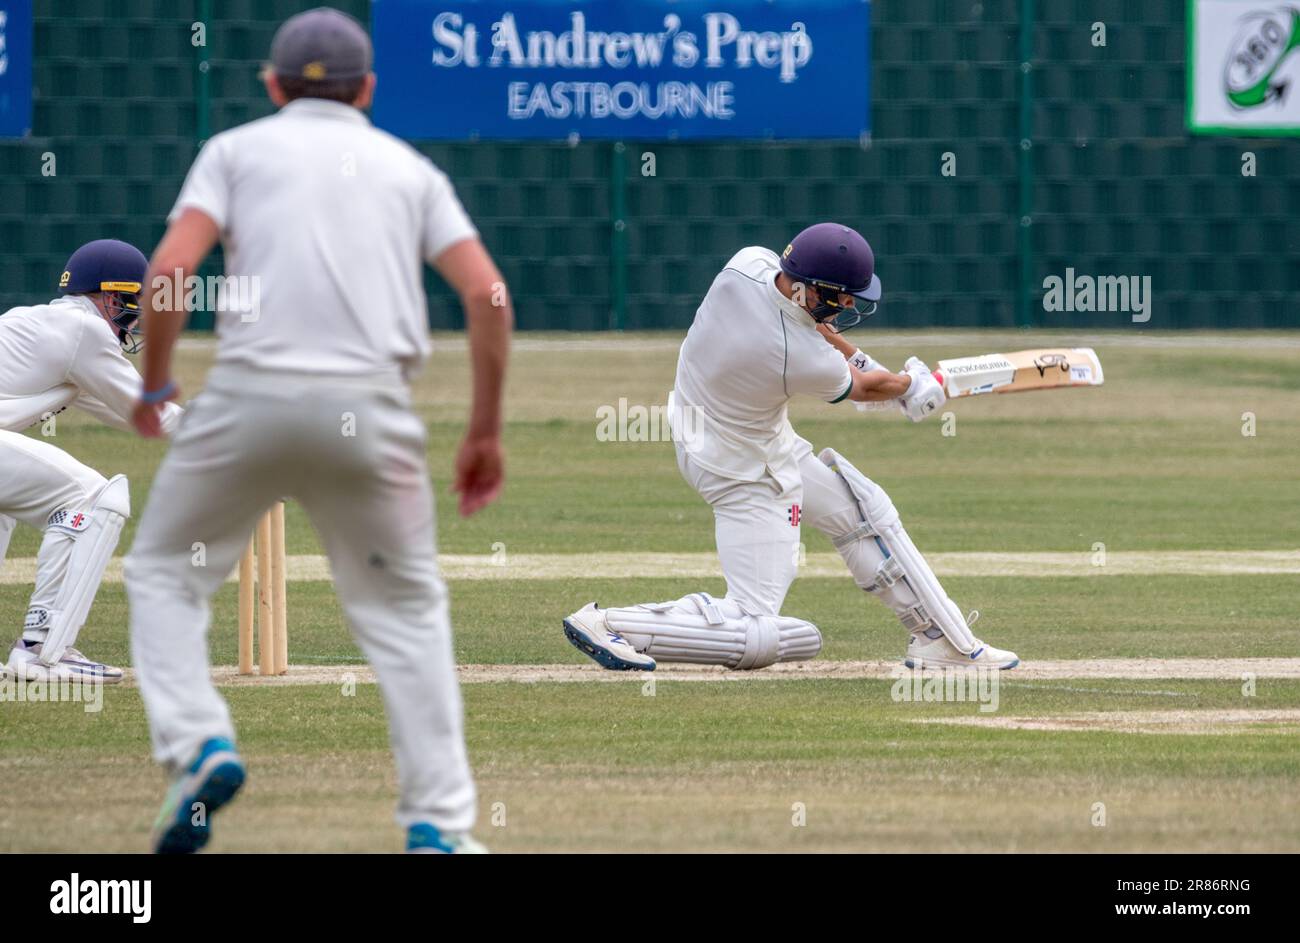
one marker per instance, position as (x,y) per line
(591,635)
(184,822)
(931,649)
(25,664)
(425,839)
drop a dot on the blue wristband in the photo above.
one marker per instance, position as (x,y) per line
(157,396)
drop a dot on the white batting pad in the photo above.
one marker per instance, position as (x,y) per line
(903,580)
(700,630)
(95,531)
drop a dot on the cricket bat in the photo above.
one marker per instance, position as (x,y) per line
(1043,368)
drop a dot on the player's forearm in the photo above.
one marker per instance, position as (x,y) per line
(489,327)
(109,385)
(837,341)
(161,328)
(876,386)
(182,250)
(858,360)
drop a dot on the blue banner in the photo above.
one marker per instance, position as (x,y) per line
(15,68)
(631,69)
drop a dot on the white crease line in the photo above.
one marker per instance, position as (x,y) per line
(1191,721)
(552,566)
(1074,690)
(1221,669)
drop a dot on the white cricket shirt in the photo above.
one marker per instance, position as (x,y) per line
(749,350)
(65,354)
(328,220)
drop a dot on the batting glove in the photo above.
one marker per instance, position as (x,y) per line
(925,395)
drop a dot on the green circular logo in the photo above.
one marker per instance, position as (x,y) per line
(1263,42)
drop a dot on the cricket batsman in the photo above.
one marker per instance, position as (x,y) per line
(309,398)
(759,338)
(70,352)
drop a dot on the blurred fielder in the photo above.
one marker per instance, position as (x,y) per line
(311,399)
(68,353)
(759,338)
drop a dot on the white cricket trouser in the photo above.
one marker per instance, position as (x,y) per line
(756,528)
(352,453)
(36,480)
(757,525)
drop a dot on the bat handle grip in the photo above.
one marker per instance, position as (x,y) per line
(938,375)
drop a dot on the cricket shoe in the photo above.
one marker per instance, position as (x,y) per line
(927,651)
(25,664)
(184,822)
(591,635)
(425,839)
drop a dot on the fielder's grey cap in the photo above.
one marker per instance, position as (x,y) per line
(320,45)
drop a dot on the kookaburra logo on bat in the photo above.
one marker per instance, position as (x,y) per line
(1047,361)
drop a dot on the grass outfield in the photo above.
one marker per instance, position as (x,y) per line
(1155,461)
(504,622)
(696,766)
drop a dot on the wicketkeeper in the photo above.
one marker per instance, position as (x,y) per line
(70,352)
(310,398)
(760,338)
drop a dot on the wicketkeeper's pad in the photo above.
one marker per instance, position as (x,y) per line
(94,530)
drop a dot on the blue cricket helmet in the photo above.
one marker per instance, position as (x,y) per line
(118,269)
(104,265)
(836,260)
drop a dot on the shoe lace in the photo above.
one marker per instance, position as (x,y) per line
(972,617)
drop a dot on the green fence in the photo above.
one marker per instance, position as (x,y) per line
(1081,160)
